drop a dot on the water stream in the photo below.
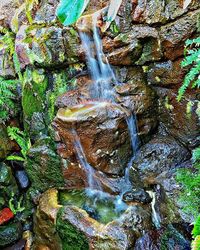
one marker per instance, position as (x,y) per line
(103,78)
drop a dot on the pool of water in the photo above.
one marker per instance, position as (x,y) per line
(100,206)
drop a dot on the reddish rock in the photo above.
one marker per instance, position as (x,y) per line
(103,133)
(173,35)
(184,128)
(166,73)
(5,215)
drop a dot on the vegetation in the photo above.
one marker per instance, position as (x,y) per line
(23,141)
(192,58)
(190,179)
(68,11)
(8,107)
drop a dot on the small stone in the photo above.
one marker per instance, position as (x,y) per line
(22,179)
(10,234)
(5,215)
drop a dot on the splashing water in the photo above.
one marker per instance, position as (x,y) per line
(155,216)
(101,72)
(92,182)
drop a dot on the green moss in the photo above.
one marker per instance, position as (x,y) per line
(43,166)
(10,233)
(72,239)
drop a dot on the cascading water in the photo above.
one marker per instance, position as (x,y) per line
(92,182)
(101,72)
(102,89)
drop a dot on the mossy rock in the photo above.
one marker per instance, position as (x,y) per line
(72,239)
(43,166)
(10,234)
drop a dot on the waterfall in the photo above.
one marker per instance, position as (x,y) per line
(100,70)
(103,78)
(92,182)
(155,216)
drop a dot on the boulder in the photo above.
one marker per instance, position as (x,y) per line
(161,154)
(173,115)
(173,35)
(43,166)
(101,128)
(164,238)
(10,233)
(46,236)
(138,195)
(166,74)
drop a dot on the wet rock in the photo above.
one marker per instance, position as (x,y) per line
(174,118)
(151,12)
(105,141)
(166,73)
(138,195)
(48,46)
(91,211)
(136,219)
(173,35)
(151,52)
(5,215)
(22,179)
(125,55)
(7,10)
(140,99)
(46,236)
(20,245)
(9,234)
(5,175)
(43,166)
(159,155)
(156,12)
(71,225)
(46,13)
(165,238)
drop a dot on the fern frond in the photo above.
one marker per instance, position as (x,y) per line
(193,73)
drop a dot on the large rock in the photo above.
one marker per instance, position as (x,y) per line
(102,130)
(164,238)
(59,227)
(43,166)
(47,46)
(165,74)
(160,155)
(46,236)
(173,35)
(185,128)
(156,12)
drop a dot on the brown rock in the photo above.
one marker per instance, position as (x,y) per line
(166,73)
(173,35)
(174,117)
(103,133)
(46,236)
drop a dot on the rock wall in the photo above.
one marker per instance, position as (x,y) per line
(145,46)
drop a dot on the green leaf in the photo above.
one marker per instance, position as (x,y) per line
(15,158)
(69,11)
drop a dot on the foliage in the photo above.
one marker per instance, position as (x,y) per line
(190,180)
(7,98)
(68,11)
(192,59)
(26,7)
(18,208)
(22,140)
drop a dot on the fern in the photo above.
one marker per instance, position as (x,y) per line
(8,106)
(196,235)
(22,140)
(192,59)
